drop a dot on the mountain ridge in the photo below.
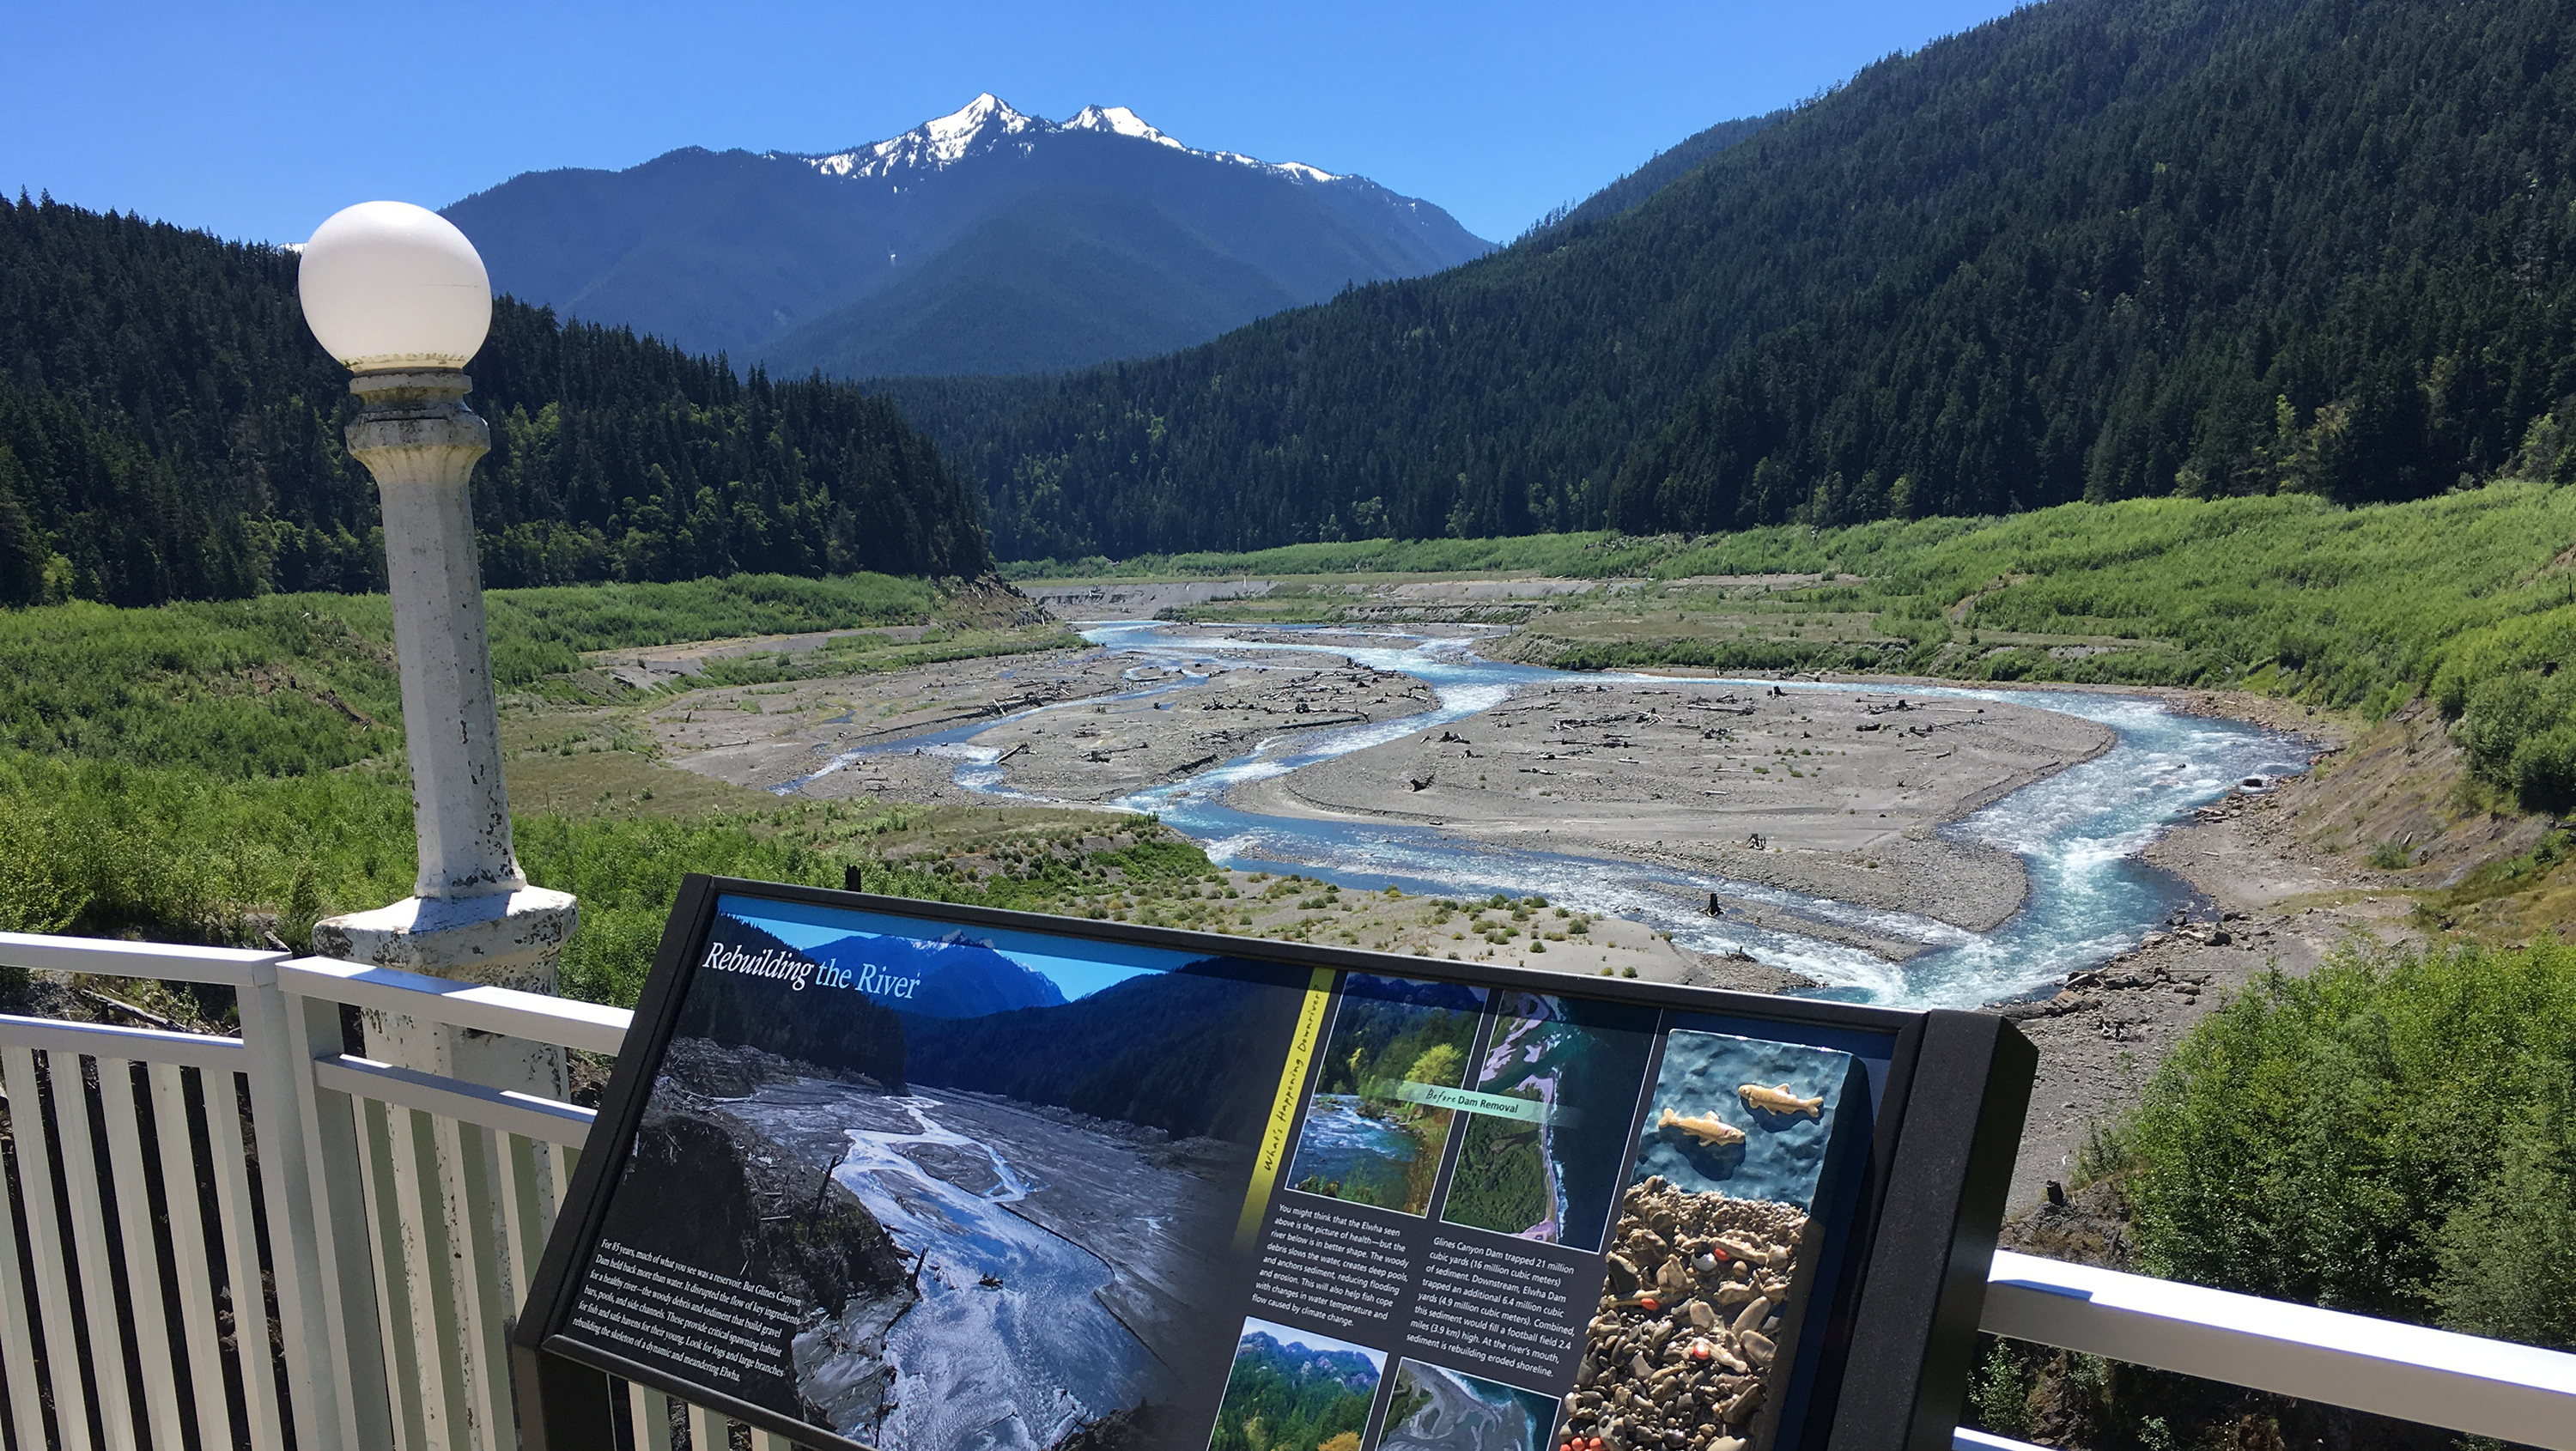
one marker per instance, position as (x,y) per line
(2090,250)
(944,141)
(169,430)
(1097,237)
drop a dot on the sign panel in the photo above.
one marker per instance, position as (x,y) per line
(894,1174)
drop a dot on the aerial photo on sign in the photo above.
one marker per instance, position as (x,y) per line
(1438,1409)
(944,1189)
(1548,1133)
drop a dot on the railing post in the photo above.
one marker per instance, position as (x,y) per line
(326,1302)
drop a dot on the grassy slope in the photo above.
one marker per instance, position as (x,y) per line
(217,773)
(214,772)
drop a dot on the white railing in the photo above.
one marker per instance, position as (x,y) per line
(71,1364)
(397,1214)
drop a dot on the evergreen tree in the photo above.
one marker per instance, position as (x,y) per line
(170,430)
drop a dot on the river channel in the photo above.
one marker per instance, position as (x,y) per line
(2079,834)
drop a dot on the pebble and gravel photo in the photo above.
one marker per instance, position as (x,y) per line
(1714,1253)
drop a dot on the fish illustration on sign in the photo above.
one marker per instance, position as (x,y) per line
(1781,1100)
(1708,1128)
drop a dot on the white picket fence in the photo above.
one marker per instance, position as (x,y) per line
(367,1231)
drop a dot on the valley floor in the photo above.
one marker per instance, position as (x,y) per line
(1828,791)
(1675,772)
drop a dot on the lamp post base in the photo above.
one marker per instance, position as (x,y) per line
(502,939)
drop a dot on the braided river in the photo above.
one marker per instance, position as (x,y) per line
(2080,834)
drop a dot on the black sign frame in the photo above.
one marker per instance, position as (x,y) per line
(1901,1332)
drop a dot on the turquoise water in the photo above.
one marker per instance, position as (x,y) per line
(2079,833)
(1370,1159)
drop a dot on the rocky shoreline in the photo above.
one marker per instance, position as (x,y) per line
(2267,901)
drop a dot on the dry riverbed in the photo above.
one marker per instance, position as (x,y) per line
(1826,793)
(844,736)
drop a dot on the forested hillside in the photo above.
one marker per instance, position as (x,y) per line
(169,430)
(2096,249)
(1661,170)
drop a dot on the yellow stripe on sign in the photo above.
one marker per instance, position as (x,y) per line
(1283,1108)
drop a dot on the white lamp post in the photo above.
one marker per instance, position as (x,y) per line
(397,293)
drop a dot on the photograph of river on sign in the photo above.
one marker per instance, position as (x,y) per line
(1438,1409)
(1375,1129)
(1548,1118)
(969,1187)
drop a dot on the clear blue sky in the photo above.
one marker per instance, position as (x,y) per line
(257,120)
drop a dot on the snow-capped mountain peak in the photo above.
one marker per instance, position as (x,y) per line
(988,123)
(1119,121)
(959,128)
(982,124)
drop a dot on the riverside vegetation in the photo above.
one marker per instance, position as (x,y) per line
(2393,1134)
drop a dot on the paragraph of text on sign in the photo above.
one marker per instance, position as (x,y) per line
(722,1328)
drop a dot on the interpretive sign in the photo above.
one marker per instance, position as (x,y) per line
(884,1173)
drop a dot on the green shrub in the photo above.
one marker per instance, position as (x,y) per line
(2394,1134)
(180,855)
(2508,1255)
(1999,1396)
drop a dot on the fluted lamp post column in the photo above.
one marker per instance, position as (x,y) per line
(398,295)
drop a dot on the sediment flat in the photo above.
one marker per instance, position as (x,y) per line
(1828,793)
(1144,724)
(1116,747)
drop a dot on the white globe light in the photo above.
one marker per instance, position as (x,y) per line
(389,285)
